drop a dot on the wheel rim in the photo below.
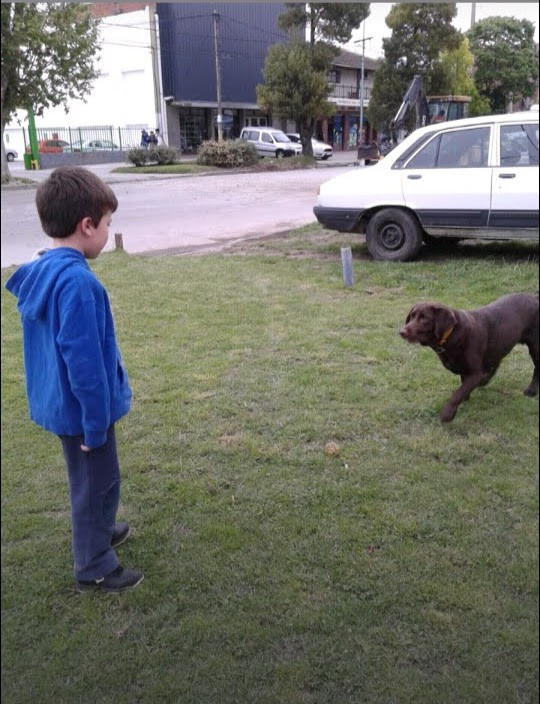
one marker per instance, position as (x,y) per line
(392,236)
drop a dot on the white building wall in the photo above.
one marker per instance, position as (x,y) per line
(122,96)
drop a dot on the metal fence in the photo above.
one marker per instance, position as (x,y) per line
(112,138)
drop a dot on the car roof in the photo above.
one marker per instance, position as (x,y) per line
(460,124)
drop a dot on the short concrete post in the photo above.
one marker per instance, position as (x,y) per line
(347,266)
(118,240)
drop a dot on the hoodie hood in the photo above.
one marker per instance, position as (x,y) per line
(33,283)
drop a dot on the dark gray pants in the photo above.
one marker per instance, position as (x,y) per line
(94,482)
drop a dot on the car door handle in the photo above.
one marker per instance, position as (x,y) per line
(507,175)
(414,177)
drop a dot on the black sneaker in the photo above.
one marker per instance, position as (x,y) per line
(120,534)
(119,580)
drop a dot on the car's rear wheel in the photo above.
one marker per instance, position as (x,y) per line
(393,235)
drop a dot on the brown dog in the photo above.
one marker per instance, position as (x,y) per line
(473,343)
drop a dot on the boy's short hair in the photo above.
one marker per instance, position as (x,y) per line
(69,195)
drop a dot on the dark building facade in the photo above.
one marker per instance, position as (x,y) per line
(187,34)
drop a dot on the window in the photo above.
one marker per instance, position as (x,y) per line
(256,121)
(518,145)
(334,76)
(456,149)
(266,138)
(426,158)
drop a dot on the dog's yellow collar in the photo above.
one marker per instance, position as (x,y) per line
(445,336)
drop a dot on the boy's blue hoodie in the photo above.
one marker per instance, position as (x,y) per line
(75,381)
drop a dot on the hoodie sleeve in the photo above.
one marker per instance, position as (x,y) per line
(80,344)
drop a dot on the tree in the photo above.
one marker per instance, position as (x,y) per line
(505,59)
(48,53)
(456,77)
(327,23)
(420,31)
(292,89)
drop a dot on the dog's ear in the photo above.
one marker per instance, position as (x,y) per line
(444,320)
(410,313)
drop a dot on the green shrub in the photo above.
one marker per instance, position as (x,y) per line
(138,156)
(230,154)
(163,154)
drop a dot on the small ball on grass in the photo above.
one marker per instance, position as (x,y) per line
(331,449)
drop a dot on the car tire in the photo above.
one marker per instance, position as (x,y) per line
(393,235)
(10,157)
(279,154)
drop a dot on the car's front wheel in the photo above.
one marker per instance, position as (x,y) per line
(393,235)
(279,154)
(10,157)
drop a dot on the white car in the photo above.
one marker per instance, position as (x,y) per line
(269,141)
(471,178)
(11,154)
(93,145)
(320,149)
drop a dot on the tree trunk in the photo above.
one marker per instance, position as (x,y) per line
(305,132)
(3,160)
(6,176)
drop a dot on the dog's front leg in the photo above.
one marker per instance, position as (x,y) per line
(462,394)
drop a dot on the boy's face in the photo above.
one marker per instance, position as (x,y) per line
(99,236)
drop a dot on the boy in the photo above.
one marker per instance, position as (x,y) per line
(75,382)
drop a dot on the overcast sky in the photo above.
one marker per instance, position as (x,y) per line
(375,25)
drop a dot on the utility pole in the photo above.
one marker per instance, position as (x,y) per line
(361,125)
(218,76)
(473,14)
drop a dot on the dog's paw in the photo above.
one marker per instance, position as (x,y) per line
(531,391)
(447,414)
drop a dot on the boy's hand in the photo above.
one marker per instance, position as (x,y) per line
(84,448)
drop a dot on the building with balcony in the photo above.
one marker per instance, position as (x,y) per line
(341,130)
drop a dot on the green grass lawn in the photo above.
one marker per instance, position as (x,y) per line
(403,570)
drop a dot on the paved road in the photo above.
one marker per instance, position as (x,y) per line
(180,214)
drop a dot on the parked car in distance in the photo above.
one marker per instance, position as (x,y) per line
(269,141)
(11,154)
(320,149)
(92,145)
(475,178)
(50,146)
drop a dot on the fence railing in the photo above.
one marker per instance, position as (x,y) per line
(104,137)
(348,92)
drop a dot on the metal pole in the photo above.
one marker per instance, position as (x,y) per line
(361,125)
(218,77)
(347,266)
(32,135)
